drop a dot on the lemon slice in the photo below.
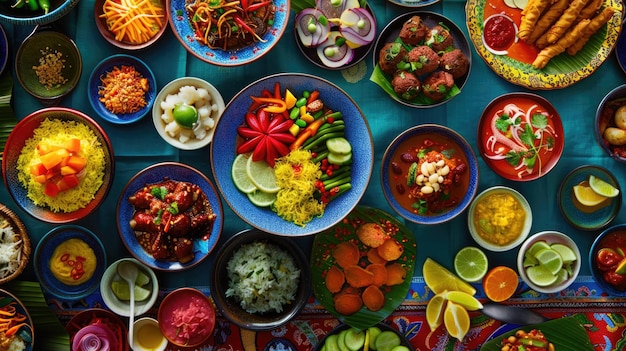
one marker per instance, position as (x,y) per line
(587,196)
(262,175)
(471,264)
(464,299)
(439,279)
(121,289)
(261,198)
(602,188)
(456,319)
(240,174)
(434,310)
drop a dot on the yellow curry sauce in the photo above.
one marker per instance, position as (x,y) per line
(73,262)
(499,218)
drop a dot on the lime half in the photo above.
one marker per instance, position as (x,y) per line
(603,188)
(261,198)
(240,174)
(121,289)
(471,264)
(541,276)
(262,175)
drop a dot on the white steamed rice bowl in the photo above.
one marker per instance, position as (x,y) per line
(262,277)
(201,99)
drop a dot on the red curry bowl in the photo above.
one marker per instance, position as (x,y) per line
(605,255)
(181,306)
(507,146)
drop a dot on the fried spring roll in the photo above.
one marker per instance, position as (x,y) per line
(566,20)
(596,23)
(590,10)
(561,45)
(547,19)
(530,18)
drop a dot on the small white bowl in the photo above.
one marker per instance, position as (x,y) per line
(550,237)
(157,341)
(489,245)
(173,88)
(122,308)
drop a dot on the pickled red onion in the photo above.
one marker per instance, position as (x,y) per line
(94,337)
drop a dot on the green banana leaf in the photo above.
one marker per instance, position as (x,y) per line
(7,116)
(565,333)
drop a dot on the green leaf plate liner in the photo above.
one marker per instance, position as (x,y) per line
(322,260)
(565,333)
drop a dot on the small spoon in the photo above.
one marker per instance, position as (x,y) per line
(129,272)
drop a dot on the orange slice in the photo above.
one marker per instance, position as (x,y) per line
(500,283)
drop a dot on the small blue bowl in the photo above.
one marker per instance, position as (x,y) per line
(435,132)
(155,174)
(107,65)
(224,144)
(609,234)
(23,16)
(45,251)
(581,218)
(181,26)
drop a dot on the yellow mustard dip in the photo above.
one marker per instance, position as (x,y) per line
(73,262)
(499,218)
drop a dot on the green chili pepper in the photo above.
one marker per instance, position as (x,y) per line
(32,5)
(45,5)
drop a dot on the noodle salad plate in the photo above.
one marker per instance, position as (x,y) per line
(358,234)
(538,58)
(259,25)
(292,176)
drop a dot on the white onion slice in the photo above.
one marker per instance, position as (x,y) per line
(358,26)
(332,55)
(312,27)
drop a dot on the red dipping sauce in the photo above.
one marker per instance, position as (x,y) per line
(610,252)
(500,32)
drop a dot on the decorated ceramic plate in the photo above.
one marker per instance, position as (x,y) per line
(390,34)
(564,333)
(182,27)
(126,212)
(514,61)
(413,3)
(323,260)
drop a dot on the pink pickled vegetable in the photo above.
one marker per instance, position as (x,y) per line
(94,337)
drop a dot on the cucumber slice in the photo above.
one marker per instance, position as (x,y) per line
(354,339)
(387,340)
(341,340)
(331,343)
(339,159)
(373,332)
(339,145)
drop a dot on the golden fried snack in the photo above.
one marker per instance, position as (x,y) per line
(530,17)
(596,23)
(590,10)
(566,20)
(547,19)
(561,45)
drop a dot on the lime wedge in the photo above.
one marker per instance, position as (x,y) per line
(261,198)
(121,289)
(240,174)
(566,253)
(602,188)
(471,264)
(142,279)
(262,175)
(541,276)
(464,299)
(536,247)
(550,259)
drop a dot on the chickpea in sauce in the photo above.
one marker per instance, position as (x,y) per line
(499,218)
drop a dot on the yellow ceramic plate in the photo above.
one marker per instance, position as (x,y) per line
(562,70)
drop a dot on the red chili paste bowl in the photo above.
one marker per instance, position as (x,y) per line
(605,256)
(182,303)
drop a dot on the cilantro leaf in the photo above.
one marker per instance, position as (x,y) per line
(159,192)
(539,120)
(528,136)
(502,123)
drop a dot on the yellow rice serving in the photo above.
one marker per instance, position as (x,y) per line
(55,132)
(296,175)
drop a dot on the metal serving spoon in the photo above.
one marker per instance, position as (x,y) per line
(129,272)
(512,314)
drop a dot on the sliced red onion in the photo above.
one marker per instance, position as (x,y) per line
(334,8)
(94,337)
(358,26)
(333,55)
(312,27)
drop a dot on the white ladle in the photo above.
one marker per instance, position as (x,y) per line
(129,271)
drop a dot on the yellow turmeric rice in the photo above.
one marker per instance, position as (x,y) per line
(55,132)
(296,175)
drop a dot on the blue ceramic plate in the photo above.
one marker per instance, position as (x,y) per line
(26,333)
(182,28)
(225,137)
(389,188)
(4,49)
(155,174)
(107,65)
(17,139)
(588,218)
(21,16)
(44,253)
(413,3)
